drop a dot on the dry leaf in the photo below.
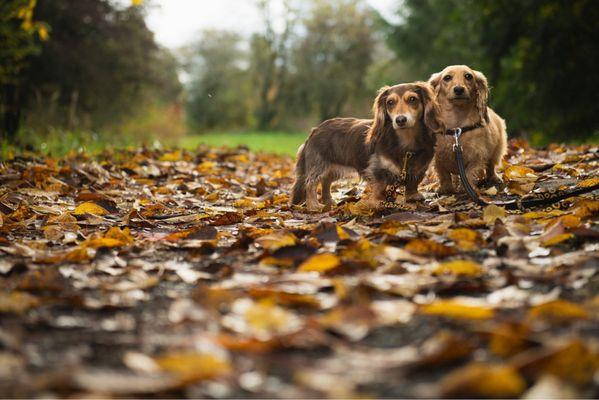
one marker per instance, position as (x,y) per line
(456,309)
(320,263)
(483,380)
(459,268)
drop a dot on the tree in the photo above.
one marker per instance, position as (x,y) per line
(538,55)
(333,56)
(18,32)
(218,93)
(269,63)
(96,68)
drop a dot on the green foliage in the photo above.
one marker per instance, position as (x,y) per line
(333,56)
(219,90)
(539,56)
(98,67)
(310,62)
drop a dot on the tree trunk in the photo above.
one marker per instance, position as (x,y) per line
(11,112)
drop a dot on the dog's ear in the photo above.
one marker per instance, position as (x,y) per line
(431,114)
(434,81)
(482,95)
(379,113)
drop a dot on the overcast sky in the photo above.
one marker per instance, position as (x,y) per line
(177,22)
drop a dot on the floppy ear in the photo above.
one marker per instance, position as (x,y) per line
(431,114)
(482,95)
(379,113)
(434,81)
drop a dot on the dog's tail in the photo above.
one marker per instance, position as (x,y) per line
(298,191)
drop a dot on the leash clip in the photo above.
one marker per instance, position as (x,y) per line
(457,132)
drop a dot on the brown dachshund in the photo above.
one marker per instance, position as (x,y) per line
(406,116)
(462,94)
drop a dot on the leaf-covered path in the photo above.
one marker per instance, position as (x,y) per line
(156,273)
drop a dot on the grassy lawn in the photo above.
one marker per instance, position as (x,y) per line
(272,142)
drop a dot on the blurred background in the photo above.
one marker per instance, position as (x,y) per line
(89,74)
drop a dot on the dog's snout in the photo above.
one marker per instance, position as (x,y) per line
(401,120)
(459,90)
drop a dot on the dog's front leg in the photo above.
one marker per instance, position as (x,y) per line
(493,178)
(412,193)
(474,174)
(446,184)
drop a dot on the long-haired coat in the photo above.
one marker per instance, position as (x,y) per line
(405,119)
(462,94)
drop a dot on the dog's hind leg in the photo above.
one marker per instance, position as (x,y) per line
(312,203)
(298,191)
(326,183)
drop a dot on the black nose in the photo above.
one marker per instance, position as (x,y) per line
(401,120)
(459,90)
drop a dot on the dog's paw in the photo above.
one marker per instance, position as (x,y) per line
(493,181)
(414,197)
(314,207)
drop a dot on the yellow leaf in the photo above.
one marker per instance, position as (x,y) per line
(102,242)
(193,367)
(426,247)
(574,362)
(508,339)
(17,302)
(483,380)
(455,309)
(123,235)
(466,239)
(42,32)
(89,207)
(172,156)
(492,213)
(557,239)
(265,318)
(558,311)
(588,182)
(249,203)
(459,268)
(136,3)
(542,214)
(567,221)
(207,166)
(277,240)
(320,263)
(520,174)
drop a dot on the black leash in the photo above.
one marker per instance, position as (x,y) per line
(547,198)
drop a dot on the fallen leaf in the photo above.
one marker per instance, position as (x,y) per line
(456,309)
(493,212)
(557,311)
(483,380)
(466,239)
(320,263)
(191,367)
(426,247)
(459,268)
(89,208)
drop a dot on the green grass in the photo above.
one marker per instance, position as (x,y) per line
(270,142)
(58,143)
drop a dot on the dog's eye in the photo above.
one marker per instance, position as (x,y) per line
(447,78)
(390,102)
(412,99)
(468,76)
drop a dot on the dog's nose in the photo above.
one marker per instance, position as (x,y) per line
(459,90)
(401,120)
